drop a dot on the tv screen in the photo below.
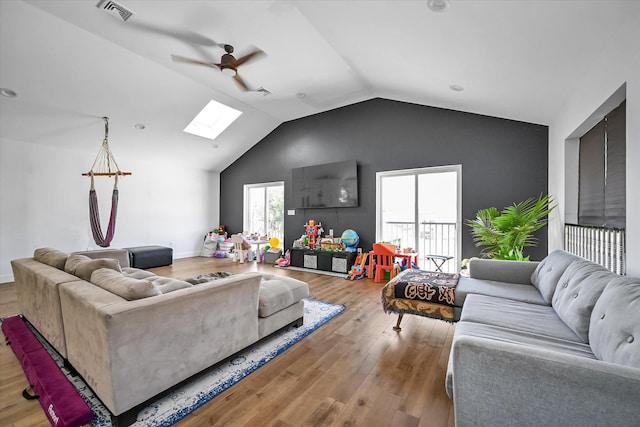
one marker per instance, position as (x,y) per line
(332,185)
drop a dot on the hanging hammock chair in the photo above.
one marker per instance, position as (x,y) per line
(104,165)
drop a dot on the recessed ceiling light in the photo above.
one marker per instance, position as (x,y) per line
(438,5)
(8,93)
(139,126)
(456,88)
(301,95)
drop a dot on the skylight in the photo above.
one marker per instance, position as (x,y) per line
(212,120)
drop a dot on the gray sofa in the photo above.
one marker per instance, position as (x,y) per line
(549,343)
(133,335)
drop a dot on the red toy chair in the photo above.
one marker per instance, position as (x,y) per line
(384,255)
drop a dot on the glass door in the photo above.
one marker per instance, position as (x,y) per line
(420,209)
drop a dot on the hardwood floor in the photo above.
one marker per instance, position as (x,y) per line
(353,371)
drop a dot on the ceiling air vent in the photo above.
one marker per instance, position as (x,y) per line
(262,91)
(114,9)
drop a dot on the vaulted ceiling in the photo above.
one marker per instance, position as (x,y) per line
(72,63)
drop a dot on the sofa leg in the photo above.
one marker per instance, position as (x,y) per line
(299,322)
(125,419)
(70,368)
(397,327)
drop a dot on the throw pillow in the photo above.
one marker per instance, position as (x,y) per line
(50,256)
(125,287)
(73,261)
(204,278)
(85,269)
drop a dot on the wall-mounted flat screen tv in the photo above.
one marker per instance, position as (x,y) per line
(332,185)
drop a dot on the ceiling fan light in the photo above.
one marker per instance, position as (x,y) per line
(438,5)
(228,71)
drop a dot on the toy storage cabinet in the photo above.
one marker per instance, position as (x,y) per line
(339,262)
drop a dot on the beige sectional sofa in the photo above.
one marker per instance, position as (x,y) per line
(132,335)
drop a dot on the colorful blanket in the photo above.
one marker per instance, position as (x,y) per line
(425,293)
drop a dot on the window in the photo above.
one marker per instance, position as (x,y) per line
(264,209)
(602,184)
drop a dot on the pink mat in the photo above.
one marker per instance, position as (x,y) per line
(62,404)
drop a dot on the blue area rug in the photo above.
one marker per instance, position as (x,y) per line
(195,393)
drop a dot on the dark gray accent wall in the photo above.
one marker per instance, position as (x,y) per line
(503,161)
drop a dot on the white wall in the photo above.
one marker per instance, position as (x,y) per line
(618,64)
(44,202)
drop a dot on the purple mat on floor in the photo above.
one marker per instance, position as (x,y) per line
(62,404)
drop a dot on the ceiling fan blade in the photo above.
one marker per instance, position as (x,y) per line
(179,58)
(248,57)
(243,86)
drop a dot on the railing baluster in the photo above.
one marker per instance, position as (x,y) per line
(603,245)
(434,238)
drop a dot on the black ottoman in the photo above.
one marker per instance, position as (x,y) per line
(150,256)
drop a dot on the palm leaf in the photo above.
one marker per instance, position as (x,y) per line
(504,234)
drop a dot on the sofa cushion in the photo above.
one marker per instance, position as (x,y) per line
(277,293)
(50,256)
(578,290)
(125,287)
(525,293)
(166,284)
(137,273)
(546,275)
(614,332)
(520,316)
(85,269)
(73,261)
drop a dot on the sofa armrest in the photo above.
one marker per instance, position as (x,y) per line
(518,272)
(129,351)
(501,383)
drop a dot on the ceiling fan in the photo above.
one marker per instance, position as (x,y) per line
(228,63)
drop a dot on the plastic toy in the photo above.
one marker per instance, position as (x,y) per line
(358,271)
(313,230)
(284,261)
(350,239)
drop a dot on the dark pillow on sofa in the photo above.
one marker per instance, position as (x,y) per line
(125,287)
(50,256)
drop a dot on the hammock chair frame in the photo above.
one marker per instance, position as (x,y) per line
(104,165)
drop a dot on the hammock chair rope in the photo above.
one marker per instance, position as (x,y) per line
(102,166)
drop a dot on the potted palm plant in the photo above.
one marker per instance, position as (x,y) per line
(504,234)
